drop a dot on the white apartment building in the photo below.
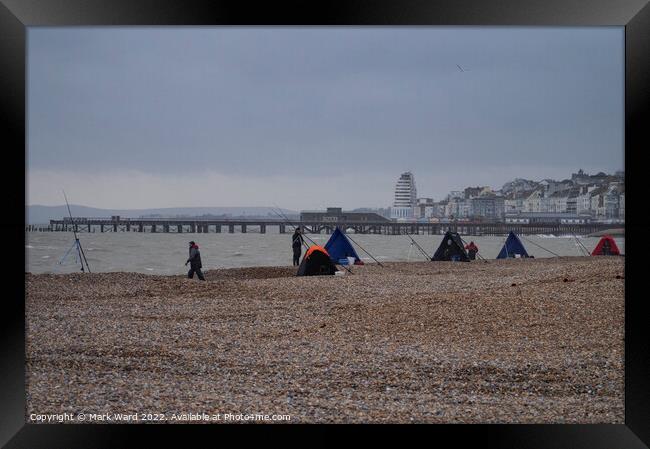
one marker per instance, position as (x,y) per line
(405,197)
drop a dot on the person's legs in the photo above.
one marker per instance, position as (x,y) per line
(190,274)
(199,273)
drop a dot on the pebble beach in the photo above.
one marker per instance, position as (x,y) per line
(508,341)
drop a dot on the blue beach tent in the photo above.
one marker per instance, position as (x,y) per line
(512,247)
(340,248)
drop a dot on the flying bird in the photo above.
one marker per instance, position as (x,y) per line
(459,68)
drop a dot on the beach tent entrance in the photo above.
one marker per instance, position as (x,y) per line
(316,263)
(512,248)
(606,247)
(339,248)
(451,248)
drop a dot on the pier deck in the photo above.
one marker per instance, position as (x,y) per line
(196,225)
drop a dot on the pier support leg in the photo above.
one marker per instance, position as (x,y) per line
(283,229)
(128,227)
(231,229)
(243,229)
(263,229)
(153,228)
(101,228)
(217,229)
(192,228)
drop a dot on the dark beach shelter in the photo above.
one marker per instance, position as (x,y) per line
(340,248)
(606,247)
(316,262)
(451,248)
(512,247)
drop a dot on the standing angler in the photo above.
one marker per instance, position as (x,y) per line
(296,244)
(472,249)
(195,262)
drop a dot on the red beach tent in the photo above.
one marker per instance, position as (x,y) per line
(606,247)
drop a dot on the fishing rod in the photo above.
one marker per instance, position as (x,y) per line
(293,226)
(77,243)
(417,245)
(362,248)
(581,246)
(539,246)
(286,219)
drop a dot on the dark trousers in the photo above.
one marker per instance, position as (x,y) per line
(296,257)
(197,270)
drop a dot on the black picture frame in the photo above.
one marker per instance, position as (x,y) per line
(17,15)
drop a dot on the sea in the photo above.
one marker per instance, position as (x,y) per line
(166,253)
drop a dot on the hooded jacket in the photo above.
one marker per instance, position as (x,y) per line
(195,257)
(297,241)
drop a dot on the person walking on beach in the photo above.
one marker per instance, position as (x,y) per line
(472,249)
(296,244)
(195,262)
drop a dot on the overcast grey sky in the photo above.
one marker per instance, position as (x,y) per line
(311,117)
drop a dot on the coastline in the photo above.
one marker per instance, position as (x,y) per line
(614,232)
(518,341)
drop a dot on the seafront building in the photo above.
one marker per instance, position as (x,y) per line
(581,198)
(405,197)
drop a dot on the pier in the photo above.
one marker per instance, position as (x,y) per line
(262,226)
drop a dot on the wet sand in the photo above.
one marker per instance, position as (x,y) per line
(514,341)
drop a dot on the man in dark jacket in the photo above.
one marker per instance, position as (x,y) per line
(607,248)
(296,244)
(195,262)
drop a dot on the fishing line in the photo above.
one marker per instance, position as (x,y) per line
(413,242)
(539,246)
(362,248)
(582,247)
(294,227)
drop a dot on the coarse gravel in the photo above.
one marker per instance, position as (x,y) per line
(509,341)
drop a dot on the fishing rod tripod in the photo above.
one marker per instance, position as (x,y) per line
(81,256)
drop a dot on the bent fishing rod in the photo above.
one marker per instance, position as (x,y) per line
(80,250)
(417,245)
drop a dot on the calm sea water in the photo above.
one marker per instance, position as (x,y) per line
(166,253)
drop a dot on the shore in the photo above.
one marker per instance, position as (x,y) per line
(510,341)
(614,232)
